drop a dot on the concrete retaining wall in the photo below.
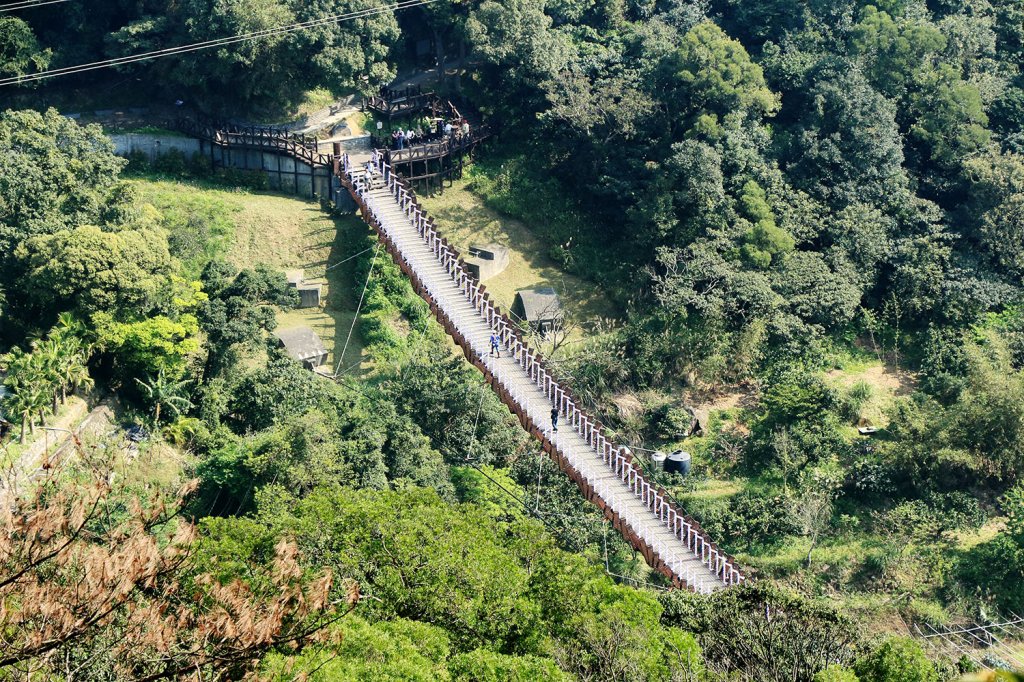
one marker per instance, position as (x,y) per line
(359,143)
(153,145)
(285,174)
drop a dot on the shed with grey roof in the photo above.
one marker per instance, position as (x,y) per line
(303,344)
(539,307)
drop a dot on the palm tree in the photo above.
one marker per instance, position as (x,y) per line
(16,404)
(29,399)
(49,356)
(23,381)
(71,368)
(75,375)
(162,391)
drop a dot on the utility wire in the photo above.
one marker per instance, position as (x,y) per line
(181,49)
(28,4)
(355,318)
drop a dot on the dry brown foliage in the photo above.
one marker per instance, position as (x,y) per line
(93,578)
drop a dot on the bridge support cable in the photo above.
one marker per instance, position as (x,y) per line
(671,541)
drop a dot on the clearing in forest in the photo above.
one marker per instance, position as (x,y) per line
(248,228)
(464,219)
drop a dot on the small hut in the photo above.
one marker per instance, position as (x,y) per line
(540,308)
(303,344)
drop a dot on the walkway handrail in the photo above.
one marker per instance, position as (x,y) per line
(302,147)
(455,143)
(617,458)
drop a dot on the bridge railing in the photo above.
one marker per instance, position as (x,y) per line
(618,459)
(302,147)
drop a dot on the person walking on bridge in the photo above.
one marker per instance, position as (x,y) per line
(554,419)
(495,345)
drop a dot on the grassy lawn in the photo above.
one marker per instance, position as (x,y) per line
(312,101)
(882,382)
(281,231)
(465,220)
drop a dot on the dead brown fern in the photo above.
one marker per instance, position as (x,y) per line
(98,576)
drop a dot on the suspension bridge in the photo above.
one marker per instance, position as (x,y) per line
(671,542)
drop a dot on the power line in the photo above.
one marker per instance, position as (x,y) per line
(193,47)
(229,40)
(366,250)
(28,4)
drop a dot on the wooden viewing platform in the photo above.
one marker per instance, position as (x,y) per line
(428,165)
(404,102)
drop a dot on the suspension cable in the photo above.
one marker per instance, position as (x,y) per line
(28,4)
(237,38)
(355,318)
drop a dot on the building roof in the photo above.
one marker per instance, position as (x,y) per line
(302,343)
(539,304)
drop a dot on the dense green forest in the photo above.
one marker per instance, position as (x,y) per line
(783,201)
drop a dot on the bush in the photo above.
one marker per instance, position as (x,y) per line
(172,162)
(138,161)
(199,166)
(671,422)
(898,659)
(835,673)
(749,518)
(853,402)
(482,665)
(248,179)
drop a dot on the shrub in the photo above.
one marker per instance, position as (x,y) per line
(898,659)
(172,162)
(855,399)
(835,673)
(248,179)
(138,161)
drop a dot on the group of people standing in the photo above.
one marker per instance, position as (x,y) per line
(442,129)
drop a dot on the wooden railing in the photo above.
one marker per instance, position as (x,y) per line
(399,102)
(456,143)
(301,147)
(617,459)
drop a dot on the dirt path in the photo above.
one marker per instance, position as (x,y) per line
(41,456)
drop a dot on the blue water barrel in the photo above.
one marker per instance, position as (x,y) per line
(678,462)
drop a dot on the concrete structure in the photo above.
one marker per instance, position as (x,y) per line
(310,294)
(3,394)
(487,261)
(539,307)
(303,344)
(671,541)
(154,146)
